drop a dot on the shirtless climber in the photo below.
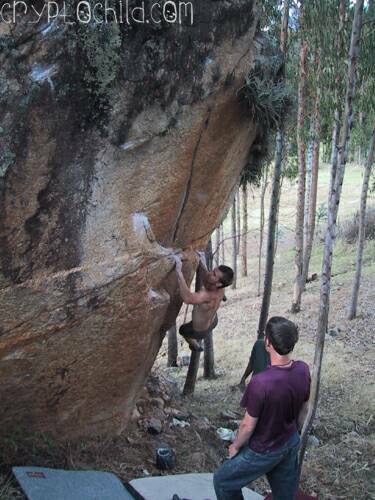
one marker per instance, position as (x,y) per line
(206,302)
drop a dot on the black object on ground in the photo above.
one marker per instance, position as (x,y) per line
(165,458)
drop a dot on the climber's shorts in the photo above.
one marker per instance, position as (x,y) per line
(187,330)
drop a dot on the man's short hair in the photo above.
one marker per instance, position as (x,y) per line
(227,278)
(282,334)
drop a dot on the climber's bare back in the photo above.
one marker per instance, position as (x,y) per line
(203,314)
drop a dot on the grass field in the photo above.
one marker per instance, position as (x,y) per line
(350,196)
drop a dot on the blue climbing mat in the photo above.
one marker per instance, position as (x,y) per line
(39,483)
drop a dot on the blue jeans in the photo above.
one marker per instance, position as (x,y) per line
(280,467)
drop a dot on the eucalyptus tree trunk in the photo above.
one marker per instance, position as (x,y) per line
(331,227)
(172,346)
(335,150)
(362,230)
(284,27)
(217,245)
(191,376)
(245,229)
(277,220)
(312,208)
(272,223)
(298,283)
(209,360)
(308,182)
(222,243)
(261,224)
(274,210)
(283,42)
(234,244)
(313,191)
(192,373)
(336,119)
(309,160)
(238,221)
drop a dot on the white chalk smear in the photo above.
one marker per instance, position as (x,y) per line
(48,27)
(140,222)
(41,74)
(129,145)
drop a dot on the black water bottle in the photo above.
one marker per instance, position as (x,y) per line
(165,458)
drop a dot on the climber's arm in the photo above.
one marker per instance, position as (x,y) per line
(202,264)
(187,296)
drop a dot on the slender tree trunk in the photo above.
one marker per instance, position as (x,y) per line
(298,283)
(362,230)
(336,119)
(244,228)
(172,346)
(283,43)
(335,137)
(234,244)
(191,376)
(335,150)
(272,223)
(238,197)
(261,228)
(311,212)
(308,184)
(277,235)
(284,27)
(209,360)
(217,245)
(222,243)
(277,229)
(308,181)
(274,210)
(331,228)
(192,373)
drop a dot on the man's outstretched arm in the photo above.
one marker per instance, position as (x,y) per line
(187,296)
(202,263)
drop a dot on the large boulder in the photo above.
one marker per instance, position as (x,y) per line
(119,143)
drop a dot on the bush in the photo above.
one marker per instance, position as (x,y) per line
(268,102)
(348,228)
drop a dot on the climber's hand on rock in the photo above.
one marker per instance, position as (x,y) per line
(177,259)
(200,255)
(202,259)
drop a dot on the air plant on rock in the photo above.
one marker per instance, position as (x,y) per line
(268,101)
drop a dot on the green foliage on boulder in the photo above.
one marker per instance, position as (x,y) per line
(268,101)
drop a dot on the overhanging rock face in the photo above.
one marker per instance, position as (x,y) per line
(118,145)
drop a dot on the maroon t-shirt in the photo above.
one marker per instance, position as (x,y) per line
(275,396)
